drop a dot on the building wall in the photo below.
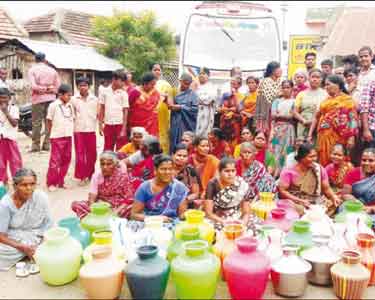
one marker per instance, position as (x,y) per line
(51,36)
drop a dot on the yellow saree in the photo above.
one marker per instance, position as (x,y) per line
(164,88)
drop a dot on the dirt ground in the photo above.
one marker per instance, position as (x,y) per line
(32,287)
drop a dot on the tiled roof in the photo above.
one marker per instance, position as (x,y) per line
(73,25)
(353,29)
(9,28)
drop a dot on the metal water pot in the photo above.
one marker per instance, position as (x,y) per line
(289,273)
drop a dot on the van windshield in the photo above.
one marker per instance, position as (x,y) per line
(219,43)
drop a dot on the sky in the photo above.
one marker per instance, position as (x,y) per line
(173,13)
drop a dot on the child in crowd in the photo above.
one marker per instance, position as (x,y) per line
(60,125)
(113,113)
(9,151)
(86,111)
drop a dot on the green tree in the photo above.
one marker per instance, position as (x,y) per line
(135,40)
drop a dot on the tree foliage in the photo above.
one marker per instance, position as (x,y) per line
(135,40)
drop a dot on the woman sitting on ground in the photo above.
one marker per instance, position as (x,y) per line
(227,197)
(246,136)
(263,155)
(186,173)
(204,163)
(136,138)
(307,182)
(338,168)
(253,172)
(359,183)
(111,184)
(187,139)
(24,217)
(162,195)
(218,146)
(141,162)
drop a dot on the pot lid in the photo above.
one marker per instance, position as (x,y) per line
(320,252)
(290,262)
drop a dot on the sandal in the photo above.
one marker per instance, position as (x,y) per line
(21,270)
(33,268)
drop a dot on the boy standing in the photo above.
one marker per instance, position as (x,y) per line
(60,125)
(85,123)
(114,105)
(9,151)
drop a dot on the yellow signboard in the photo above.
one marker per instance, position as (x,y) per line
(299,45)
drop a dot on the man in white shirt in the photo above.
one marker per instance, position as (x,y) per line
(367,69)
(113,112)
(85,124)
(9,151)
(3,77)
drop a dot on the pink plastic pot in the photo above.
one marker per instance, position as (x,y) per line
(278,219)
(291,213)
(246,270)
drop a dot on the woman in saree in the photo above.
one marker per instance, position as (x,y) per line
(136,139)
(164,89)
(184,110)
(307,183)
(246,136)
(230,119)
(227,197)
(268,91)
(338,168)
(307,103)
(335,120)
(187,139)
(300,79)
(206,103)
(248,104)
(283,132)
(24,217)
(143,102)
(204,163)
(219,147)
(162,195)
(111,184)
(141,162)
(359,183)
(263,155)
(253,172)
(186,173)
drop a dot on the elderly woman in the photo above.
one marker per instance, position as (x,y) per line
(111,184)
(24,217)
(141,162)
(136,138)
(186,173)
(227,196)
(253,172)
(187,139)
(162,195)
(338,168)
(299,78)
(359,183)
(219,147)
(307,182)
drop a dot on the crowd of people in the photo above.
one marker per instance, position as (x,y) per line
(309,140)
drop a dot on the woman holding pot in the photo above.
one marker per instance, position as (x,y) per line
(24,217)
(307,182)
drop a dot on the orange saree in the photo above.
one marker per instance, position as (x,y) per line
(337,122)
